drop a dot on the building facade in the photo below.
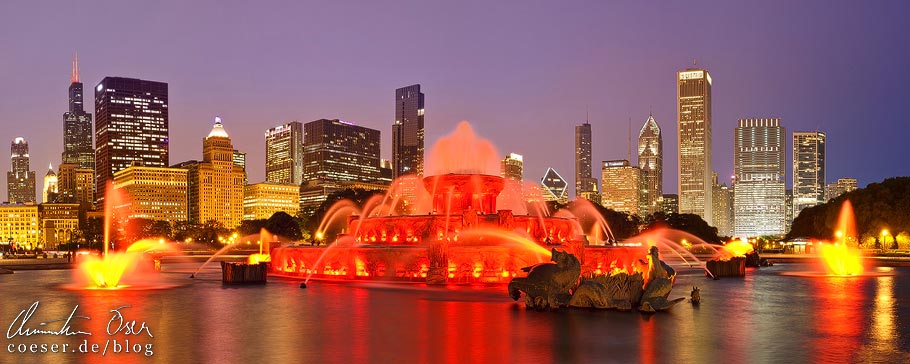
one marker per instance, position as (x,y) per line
(20,181)
(693,89)
(651,163)
(262,200)
(340,151)
(808,170)
(131,125)
(408,132)
(842,186)
(284,153)
(156,193)
(585,183)
(49,191)
(669,204)
(723,208)
(75,184)
(215,184)
(20,225)
(554,187)
(621,185)
(759,199)
(58,223)
(512,167)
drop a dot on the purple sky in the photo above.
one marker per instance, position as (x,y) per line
(522,73)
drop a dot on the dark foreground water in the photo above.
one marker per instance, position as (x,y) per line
(765,318)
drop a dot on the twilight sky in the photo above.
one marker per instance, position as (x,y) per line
(523,73)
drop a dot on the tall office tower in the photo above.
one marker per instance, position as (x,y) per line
(20,182)
(651,163)
(723,208)
(808,170)
(215,185)
(156,193)
(759,198)
(842,186)
(585,185)
(131,126)
(554,187)
(621,186)
(339,151)
(284,153)
(407,132)
(693,93)
(512,166)
(49,191)
(77,126)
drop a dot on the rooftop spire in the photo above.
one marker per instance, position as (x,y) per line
(75,76)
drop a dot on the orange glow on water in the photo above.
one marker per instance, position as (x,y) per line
(841,260)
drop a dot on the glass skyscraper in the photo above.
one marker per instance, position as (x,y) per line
(20,181)
(407,132)
(284,153)
(808,170)
(759,196)
(131,126)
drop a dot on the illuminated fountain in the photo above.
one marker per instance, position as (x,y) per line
(461,224)
(839,259)
(134,267)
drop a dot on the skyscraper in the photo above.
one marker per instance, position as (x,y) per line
(554,187)
(407,132)
(759,198)
(843,185)
(693,93)
(77,126)
(723,208)
(808,170)
(621,186)
(20,182)
(284,153)
(49,191)
(339,151)
(512,166)
(131,125)
(215,185)
(651,163)
(585,185)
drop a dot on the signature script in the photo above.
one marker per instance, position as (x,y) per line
(21,325)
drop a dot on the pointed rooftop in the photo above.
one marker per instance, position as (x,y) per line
(218,130)
(650,128)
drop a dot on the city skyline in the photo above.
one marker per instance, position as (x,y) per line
(467,79)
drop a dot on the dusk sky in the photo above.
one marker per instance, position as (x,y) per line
(523,73)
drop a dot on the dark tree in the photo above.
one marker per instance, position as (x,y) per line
(690,223)
(250,227)
(284,225)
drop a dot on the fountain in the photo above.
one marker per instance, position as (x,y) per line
(461,224)
(839,258)
(132,268)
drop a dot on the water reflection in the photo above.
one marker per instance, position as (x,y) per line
(766,317)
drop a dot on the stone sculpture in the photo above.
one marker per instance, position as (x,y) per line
(557,284)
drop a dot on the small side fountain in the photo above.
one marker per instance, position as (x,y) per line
(559,284)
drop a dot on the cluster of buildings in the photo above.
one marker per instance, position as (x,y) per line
(756,203)
(305,162)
